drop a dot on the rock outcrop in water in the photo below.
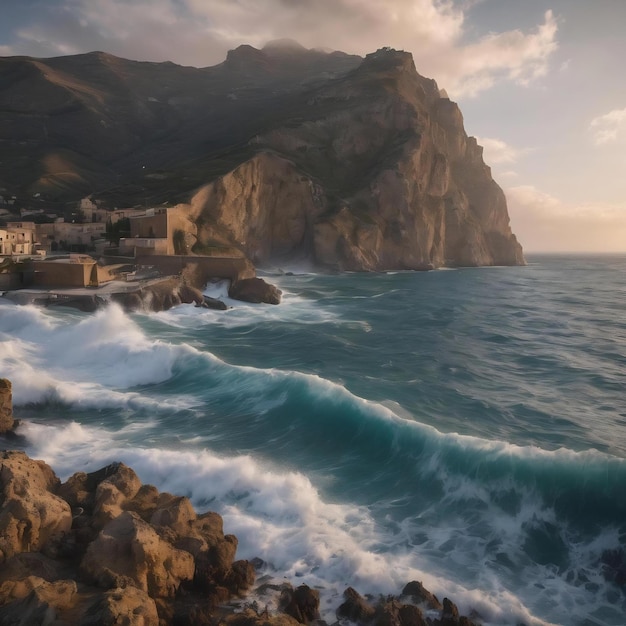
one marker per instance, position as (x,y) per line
(286,153)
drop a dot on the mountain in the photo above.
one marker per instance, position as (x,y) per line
(284,152)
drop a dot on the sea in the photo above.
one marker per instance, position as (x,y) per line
(465,428)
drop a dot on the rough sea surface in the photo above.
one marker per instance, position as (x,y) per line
(466,428)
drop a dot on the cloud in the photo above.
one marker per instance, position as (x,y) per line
(543,223)
(511,55)
(609,128)
(197,32)
(497,152)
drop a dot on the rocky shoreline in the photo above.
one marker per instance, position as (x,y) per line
(151,296)
(104,549)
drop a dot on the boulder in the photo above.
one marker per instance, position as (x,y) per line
(302,603)
(213,303)
(34,601)
(214,564)
(128,551)
(393,613)
(128,607)
(30,514)
(205,534)
(7,423)
(25,564)
(159,296)
(449,613)
(176,512)
(420,595)
(410,615)
(355,607)
(255,290)
(241,577)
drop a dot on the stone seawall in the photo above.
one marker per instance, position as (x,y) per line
(233,269)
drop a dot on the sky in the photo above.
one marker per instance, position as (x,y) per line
(540,82)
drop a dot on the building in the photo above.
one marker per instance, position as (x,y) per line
(6,247)
(17,238)
(61,235)
(76,270)
(155,232)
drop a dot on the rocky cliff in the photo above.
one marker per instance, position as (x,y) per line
(371,172)
(284,153)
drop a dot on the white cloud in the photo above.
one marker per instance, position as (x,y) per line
(609,128)
(543,223)
(497,152)
(511,55)
(197,32)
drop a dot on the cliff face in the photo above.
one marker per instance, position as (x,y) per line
(355,164)
(370,172)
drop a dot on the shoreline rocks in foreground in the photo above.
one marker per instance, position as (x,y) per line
(104,549)
(7,422)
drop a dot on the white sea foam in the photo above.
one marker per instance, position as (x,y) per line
(293,307)
(88,361)
(277,516)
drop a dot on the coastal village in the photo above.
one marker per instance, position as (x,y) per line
(139,257)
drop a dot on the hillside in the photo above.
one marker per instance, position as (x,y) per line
(284,152)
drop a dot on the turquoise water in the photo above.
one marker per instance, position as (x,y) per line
(463,427)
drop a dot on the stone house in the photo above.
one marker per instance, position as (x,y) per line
(154,232)
(17,238)
(77,270)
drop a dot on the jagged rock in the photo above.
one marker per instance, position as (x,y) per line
(301,603)
(410,615)
(159,296)
(449,613)
(7,423)
(25,564)
(213,564)
(393,613)
(355,607)
(119,484)
(30,514)
(122,607)
(420,595)
(176,512)
(34,601)
(145,502)
(129,551)
(214,303)
(240,578)
(255,290)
